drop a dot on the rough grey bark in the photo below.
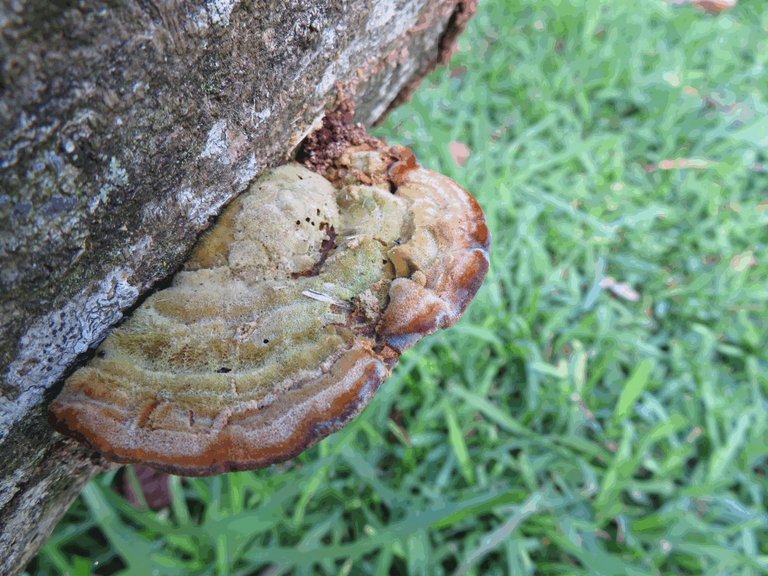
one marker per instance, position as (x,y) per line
(125,127)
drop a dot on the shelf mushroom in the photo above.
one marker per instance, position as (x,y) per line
(290,313)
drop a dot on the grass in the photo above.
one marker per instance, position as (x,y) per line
(558,428)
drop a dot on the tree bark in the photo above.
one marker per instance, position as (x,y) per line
(125,127)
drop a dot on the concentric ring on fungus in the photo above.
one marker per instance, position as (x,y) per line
(290,313)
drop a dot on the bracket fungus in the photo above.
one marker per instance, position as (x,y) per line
(288,316)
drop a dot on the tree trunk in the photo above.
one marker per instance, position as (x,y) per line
(125,127)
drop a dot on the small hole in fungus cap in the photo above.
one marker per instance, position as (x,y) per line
(223,370)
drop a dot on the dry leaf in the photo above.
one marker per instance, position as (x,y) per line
(711,6)
(741,262)
(459,152)
(621,289)
(680,164)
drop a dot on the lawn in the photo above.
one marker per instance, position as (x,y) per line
(601,407)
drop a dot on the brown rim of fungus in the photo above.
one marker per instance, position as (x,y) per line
(260,348)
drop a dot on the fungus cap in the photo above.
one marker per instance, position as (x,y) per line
(290,313)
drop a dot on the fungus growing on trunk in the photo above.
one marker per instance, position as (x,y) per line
(290,313)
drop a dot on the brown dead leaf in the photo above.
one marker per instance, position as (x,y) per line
(710,6)
(714,6)
(154,485)
(460,152)
(680,164)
